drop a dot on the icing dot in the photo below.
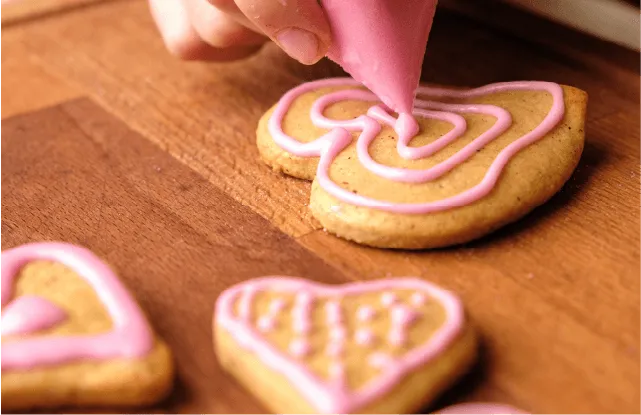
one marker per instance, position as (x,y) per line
(379,360)
(365,313)
(337,371)
(334,349)
(403,315)
(301,325)
(276,305)
(333,310)
(388,298)
(418,299)
(397,337)
(338,333)
(364,337)
(299,348)
(304,298)
(266,323)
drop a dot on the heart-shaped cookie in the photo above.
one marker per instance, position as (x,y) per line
(382,346)
(65,359)
(465,163)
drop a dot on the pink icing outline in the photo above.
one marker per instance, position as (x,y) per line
(324,396)
(329,145)
(130,338)
(30,313)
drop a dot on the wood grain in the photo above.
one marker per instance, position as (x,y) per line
(157,171)
(26,84)
(74,173)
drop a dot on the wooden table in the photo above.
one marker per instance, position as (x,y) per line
(111,143)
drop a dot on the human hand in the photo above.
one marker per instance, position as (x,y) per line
(224,30)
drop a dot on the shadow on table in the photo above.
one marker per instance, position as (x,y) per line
(593,157)
(464,387)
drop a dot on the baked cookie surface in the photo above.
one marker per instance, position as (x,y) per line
(473,161)
(72,335)
(386,346)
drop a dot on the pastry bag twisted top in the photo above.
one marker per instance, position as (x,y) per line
(381,43)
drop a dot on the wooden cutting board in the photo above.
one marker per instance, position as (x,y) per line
(111,143)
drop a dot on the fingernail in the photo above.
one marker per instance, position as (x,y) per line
(299,44)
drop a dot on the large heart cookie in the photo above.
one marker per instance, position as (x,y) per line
(466,163)
(72,334)
(385,346)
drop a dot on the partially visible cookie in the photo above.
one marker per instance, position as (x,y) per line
(480,408)
(472,161)
(386,346)
(72,335)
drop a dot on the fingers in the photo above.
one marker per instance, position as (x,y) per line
(299,27)
(229,7)
(194,30)
(218,28)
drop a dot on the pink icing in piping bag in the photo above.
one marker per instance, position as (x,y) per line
(381,44)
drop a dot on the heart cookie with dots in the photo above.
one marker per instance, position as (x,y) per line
(73,335)
(386,346)
(465,163)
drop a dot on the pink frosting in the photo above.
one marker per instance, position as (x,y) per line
(388,299)
(276,306)
(364,337)
(381,44)
(480,408)
(266,323)
(334,314)
(30,313)
(299,348)
(380,360)
(418,299)
(329,145)
(130,338)
(335,348)
(334,395)
(365,313)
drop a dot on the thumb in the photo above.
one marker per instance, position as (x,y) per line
(299,27)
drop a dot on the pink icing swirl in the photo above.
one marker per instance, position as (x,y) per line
(130,338)
(30,313)
(329,145)
(334,395)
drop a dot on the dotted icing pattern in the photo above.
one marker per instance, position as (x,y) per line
(329,145)
(304,310)
(130,338)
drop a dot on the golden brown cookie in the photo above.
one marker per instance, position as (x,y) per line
(73,335)
(473,161)
(386,346)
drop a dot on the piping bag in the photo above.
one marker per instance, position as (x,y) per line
(381,44)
